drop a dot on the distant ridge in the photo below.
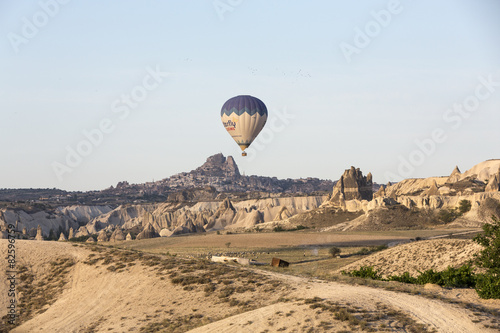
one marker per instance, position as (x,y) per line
(218,174)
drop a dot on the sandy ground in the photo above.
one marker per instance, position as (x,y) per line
(96,298)
(435,254)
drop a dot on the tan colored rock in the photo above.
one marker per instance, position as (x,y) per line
(39,236)
(282,214)
(493,184)
(147,232)
(433,190)
(129,237)
(380,193)
(62,237)
(102,236)
(353,185)
(117,235)
(91,239)
(455,175)
(71,233)
(82,231)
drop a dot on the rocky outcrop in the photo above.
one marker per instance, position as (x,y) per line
(62,237)
(71,233)
(222,217)
(493,183)
(380,193)
(90,240)
(147,232)
(83,214)
(282,214)
(117,235)
(102,236)
(455,175)
(47,220)
(82,231)
(433,190)
(39,236)
(218,165)
(129,237)
(353,186)
(413,186)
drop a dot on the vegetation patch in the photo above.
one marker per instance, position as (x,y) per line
(36,293)
(381,319)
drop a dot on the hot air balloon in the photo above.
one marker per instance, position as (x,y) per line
(244,117)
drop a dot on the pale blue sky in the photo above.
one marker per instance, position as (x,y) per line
(63,78)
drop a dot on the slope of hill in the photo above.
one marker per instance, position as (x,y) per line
(94,289)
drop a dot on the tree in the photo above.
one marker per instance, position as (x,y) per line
(228,244)
(488,284)
(464,206)
(334,251)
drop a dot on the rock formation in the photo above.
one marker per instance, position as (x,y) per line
(62,237)
(493,183)
(25,231)
(353,185)
(39,235)
(433,190)
(455,175)
(102,236)
(380,193)
(117,235)
(147,232)
(82,231)
(129,237)
(91,239)
(71,233)
(218,165)
(282,214)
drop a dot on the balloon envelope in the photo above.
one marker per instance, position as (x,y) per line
(244,117)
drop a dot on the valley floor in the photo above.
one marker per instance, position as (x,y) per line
(94,288)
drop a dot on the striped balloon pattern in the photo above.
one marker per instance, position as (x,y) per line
(243,118)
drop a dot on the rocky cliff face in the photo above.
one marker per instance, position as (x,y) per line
(176,218)
(352,185)
(219,166)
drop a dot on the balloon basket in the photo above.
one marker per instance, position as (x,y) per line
(243,154)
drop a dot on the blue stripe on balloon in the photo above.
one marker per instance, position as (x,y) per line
(244,104)
(241,111)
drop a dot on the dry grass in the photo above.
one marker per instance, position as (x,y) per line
(37,293)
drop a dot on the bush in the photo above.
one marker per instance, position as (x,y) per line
(365,272)
(364,252)
(464,206)
(404,278)
(334,251)
(461,277)
(448,215)
(488,284)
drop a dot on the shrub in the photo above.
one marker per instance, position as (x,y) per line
(334,251)
(464,206)
(488,284)
(461,277)
(404,278)
(448,215)
(365,272)
(364,251)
